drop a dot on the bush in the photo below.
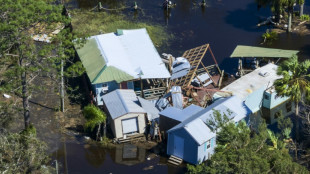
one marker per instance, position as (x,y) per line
(305,17)
(269,37)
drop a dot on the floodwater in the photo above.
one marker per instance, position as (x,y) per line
(125,158)
(223,24)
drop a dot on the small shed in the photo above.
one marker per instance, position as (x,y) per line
(172,116)
(126,116)
(192,139)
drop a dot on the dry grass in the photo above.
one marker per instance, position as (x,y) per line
(92,23)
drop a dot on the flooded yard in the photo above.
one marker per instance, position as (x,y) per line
(222,23)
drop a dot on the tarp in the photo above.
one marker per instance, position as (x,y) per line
(249,51)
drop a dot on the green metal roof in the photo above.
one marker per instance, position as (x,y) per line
(111,73)
(95,66)
(249,51)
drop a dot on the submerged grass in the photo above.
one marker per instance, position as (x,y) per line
(88,23)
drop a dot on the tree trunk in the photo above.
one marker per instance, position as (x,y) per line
(289,27)
(25,100)
(301,12)
(278,12)
(105,129)
(296,121)
(62,95)
(98,132)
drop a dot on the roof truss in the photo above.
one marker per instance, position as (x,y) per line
(195,57)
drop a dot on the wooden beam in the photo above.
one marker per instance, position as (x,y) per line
(209,74)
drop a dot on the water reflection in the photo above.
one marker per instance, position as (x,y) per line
(124,158)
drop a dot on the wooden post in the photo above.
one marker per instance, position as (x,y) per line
(141,86)
(62,95)
(221,78)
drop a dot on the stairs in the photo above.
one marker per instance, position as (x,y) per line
(175,160)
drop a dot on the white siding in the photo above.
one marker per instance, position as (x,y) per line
(118,124)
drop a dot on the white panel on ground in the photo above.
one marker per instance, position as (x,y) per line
(130,125)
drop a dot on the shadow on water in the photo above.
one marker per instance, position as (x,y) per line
(246,18)
(124,158)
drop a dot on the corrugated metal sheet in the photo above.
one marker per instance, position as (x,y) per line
(121,102)
(151,111)
(177,97)
(179,74)
(127,56)
(199,131)
(91,58)
(179,114)
(249,51)
(254,100)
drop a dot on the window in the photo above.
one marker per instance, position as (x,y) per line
(266,96)
(277,115)
(288,107)
(207,145)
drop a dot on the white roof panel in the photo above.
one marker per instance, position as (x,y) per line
(253,81)
(132,52)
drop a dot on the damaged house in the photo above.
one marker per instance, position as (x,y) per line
(126,59)
(257,91)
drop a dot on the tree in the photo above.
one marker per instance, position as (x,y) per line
(241,151)
(22,153)
(294,82)
(24,59)
(290,11)
(301,7)
(94,117)
(278,7)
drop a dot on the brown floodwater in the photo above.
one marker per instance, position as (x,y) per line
(223,23)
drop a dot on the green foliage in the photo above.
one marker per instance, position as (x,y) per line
(294,82)
(285,125)
(22,154)
(7,113)
(106,141)
(30,131)
(23,59)
(305,17)
(218,119)
(269,37)
(191,169)
(241,151)
(94,116)
(92,23)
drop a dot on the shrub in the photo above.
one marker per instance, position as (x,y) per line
(305,17)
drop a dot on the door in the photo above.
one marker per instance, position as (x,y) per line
(178,146)
(124,85)
(130,125)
